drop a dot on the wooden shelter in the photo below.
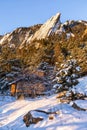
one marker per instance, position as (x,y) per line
(27,88)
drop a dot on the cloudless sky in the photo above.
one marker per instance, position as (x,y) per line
(24,13)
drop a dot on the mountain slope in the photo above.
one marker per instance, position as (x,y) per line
(53,43)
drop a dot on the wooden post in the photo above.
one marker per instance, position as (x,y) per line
(13,89)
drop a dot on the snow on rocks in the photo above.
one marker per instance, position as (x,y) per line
(32,117)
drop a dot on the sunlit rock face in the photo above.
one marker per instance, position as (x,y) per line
(48,27)
(19,37)
(23,36)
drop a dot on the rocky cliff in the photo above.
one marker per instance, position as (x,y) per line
(48,27)
(23,36)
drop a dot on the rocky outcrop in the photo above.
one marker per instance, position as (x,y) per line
(75,106)
(48,27)
(19,37)
(34,116)
(84,36)
(68,96)
(22,36)
(31,118)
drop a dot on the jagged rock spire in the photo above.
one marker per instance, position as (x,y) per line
(48,27)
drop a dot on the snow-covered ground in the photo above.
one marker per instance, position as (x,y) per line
(12,112)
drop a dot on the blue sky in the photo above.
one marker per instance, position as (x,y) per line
(17,13)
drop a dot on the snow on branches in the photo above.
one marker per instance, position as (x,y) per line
(67,75)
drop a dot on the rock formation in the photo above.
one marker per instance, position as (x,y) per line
(48,27)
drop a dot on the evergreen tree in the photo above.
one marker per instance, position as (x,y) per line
(67,75)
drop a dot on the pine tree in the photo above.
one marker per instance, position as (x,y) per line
(67,76)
